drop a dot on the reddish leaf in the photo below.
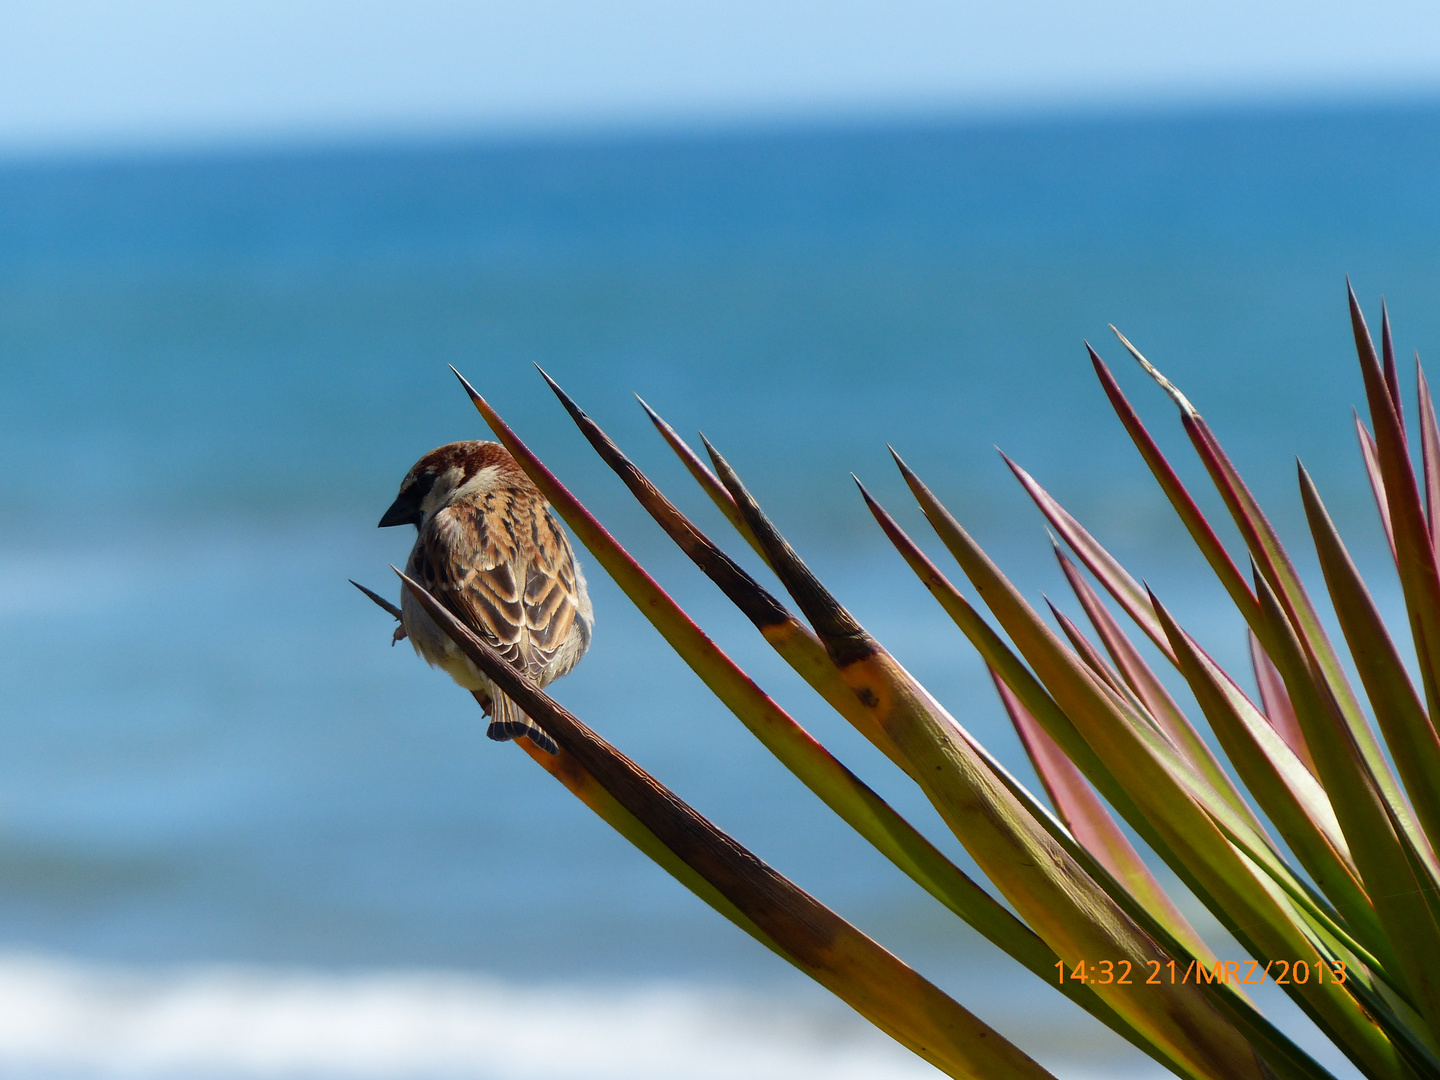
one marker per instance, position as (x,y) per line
(1430,454)
(1377,483)
(1276,700)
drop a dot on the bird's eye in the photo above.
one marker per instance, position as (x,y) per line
(421,487)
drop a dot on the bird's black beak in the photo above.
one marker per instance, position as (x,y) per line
(403,511)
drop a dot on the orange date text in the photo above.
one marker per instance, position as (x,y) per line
(1193,972)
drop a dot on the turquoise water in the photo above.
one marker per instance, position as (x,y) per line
(218,368)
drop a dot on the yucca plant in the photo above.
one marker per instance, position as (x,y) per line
(1321,863)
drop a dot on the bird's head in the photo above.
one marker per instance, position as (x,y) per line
(442,475)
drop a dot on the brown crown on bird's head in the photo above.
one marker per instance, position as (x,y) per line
(433,480)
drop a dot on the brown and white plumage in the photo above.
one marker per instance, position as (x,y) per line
(490,550)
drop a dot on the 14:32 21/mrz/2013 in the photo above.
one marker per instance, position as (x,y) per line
(1243,972)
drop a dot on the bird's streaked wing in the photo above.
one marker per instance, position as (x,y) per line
(473,556)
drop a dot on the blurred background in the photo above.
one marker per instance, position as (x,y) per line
(240,834)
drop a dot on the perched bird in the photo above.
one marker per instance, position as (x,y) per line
(490,550)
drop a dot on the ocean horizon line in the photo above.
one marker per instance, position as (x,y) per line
(328,142)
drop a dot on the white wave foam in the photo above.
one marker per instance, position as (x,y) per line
(67,1019)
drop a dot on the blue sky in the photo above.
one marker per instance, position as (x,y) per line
(83,74)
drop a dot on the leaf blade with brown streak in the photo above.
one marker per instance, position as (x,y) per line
(851,800)
(890,833)
(827,948)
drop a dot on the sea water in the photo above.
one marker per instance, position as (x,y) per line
(240,834)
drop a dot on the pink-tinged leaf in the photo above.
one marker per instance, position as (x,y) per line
(1408,731)
(1148,688)
(1416,558)
(1392,373)
(1220,783)
(816,940)
(1377,483)
(1185,506)
(1000,658)
(1091,824)
(1430,454)
(1278,710)
(1126,590)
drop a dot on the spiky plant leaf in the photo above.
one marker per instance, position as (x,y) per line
(1370,457)
(1273,695)
(1430,454)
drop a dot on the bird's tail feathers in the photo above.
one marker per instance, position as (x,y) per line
(508,722)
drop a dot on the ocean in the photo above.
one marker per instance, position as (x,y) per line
(241,835)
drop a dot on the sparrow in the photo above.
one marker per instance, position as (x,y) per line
(490,550)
